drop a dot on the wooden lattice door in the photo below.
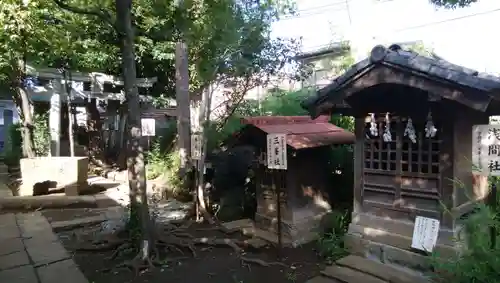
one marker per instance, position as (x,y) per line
(401,173)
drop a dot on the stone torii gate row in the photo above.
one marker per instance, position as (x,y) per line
(54,92)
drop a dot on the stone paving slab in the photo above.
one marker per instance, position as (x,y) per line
(62,271)
(8,227)
(14,260)
(28,247)
(9,232)
(45,253)
(9,246)
(24,274)
(8,220)
(32,224)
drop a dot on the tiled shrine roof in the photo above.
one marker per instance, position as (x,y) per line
(468,87)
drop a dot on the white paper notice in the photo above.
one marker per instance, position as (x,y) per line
(148,127)
(425,233)
(276,151)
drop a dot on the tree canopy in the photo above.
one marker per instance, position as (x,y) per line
(226,38)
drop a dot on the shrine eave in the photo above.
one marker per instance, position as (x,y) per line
(302,131)
(394,65)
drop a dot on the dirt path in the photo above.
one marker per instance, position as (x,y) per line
(212,265)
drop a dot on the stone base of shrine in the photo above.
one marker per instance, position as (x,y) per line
(297,230)
(389,241)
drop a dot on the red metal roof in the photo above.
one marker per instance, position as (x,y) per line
(302,131)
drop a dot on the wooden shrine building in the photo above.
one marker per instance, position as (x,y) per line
(413,127)
(305,189)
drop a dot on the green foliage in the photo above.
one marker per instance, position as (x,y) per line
(164,165)
(226,39)
(41,134)
(277,103)
(229,41)
(12,147)
(478,261)
(157,161)
(331,242)
(282,103)
(171,176)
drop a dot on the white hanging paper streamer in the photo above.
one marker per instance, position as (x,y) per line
(410,131)
(373,126)
(387,131)
(430,129)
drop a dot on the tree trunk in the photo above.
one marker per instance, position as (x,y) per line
(94,128)
(68,84)
(183,104)
(27,116)
(139,211)
(204,120)
(71,136)
(122,139)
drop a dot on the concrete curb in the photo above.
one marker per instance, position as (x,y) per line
(48,201)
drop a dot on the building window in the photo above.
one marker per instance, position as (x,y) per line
(421,157)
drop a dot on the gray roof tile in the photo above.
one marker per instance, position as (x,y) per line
(433,68)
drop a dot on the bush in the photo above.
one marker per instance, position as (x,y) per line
(157,161)
(12,148)
(478,261)
(41,134)
(334,226)
(165,167)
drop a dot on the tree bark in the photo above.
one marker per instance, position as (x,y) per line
(204,119)
(94,127)
(27,116)
(183,106)
(139,212)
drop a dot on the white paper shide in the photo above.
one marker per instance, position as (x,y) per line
(425,233)
(486,149)
(276,151)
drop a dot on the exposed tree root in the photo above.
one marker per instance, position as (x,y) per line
(261,262)
(105,246)
(121,249)
(221,242)
(220,229)
(138,263)
(172,237)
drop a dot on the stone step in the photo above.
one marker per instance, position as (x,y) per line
(382,271)
(256,243)
(238,224)
(348,275)
(322,279)
(266,235)
(248,228)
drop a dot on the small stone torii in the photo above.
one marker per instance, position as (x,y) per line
(58,94)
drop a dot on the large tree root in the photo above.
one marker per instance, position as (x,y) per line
(139,263)
(174,238)
(261,262)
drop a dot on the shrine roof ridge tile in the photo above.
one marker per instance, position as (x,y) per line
(406,61)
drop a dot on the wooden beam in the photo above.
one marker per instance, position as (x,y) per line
(53,73)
